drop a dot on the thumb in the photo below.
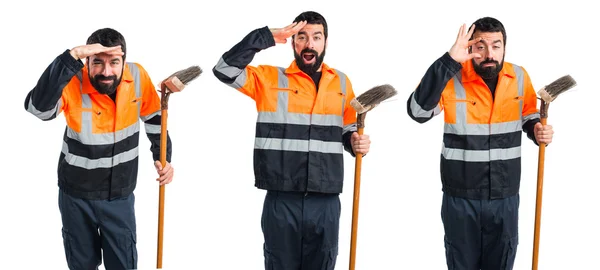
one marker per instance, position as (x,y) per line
(158,165)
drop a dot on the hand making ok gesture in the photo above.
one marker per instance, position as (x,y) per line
(460,50)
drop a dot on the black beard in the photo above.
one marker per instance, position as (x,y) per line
(488,72)
(309,68)
(105,88)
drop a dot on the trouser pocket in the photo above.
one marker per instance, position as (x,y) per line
(449,253)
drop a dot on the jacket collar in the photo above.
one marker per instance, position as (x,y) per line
(469,74)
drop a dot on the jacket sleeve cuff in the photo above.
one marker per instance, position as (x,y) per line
(449,62)
(67,59)
(267,36)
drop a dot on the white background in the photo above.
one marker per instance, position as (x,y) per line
(212,215)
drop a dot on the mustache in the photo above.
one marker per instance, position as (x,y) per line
(102,77)
(489,61)
(307,50)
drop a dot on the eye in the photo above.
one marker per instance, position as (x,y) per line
(318,38)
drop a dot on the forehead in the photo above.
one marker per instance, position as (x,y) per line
(489,36)
(105,57)
(311,29)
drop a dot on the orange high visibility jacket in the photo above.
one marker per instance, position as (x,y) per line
(301,131)
(481,150)
(99,157)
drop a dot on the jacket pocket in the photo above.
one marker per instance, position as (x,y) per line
(334,103)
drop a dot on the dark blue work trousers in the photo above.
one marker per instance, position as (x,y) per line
(300,230)
(93,229)
(480,234)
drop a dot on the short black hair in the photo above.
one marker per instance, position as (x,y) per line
(108,37)
(312,17)
(489,24)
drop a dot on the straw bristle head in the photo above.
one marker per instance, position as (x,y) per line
(560,85)
(187,75)
(178,80)
(372,97)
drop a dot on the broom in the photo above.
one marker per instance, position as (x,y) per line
(174,83)
(362,104)
(547,94)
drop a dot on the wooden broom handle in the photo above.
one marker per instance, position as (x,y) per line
(161,190)
(538,201)
(357,171)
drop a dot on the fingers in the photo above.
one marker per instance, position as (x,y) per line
(360,143)
(543,133)
(473,41)
(471,30)
(298,27)
(165,174)
(460,32)
(115,50)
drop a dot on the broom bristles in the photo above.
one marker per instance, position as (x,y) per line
(187,75)
(560,85)
(178,80)
(372,97)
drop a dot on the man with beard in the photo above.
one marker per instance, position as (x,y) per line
(304,124)
(102,101)
(488,103)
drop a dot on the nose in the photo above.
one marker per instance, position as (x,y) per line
(107,71)
(488,53)
(310,43)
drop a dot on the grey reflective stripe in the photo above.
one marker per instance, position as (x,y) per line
(283,118)
(327,120)
(349,128)
(43,115)
(148,117)
(300,118)
(152,129)
(481,155)
(417,111)
(483,129)
(519,73)
(86,115)
(135,72)
(530,116)
(343,86)
(298,145)
(103,138)
(282,79)
(232,72)
(461,107)
(90,164)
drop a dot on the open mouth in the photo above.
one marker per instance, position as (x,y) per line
(308,57)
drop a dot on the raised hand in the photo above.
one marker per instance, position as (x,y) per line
(460,50)
(282,34)
(84,51)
